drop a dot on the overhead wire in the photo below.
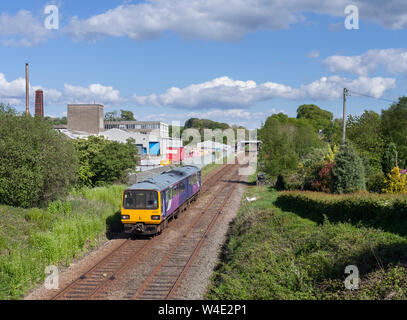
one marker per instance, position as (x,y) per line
(369,96)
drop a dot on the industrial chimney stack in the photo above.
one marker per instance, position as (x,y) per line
(27,88)
(39,103)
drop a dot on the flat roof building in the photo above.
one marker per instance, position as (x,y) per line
(86,118)
(157,128)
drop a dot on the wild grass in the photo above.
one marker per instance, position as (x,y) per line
(31,240)
(275,254)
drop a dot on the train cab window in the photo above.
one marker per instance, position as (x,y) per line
(135,199)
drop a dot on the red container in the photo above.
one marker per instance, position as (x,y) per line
(176,154)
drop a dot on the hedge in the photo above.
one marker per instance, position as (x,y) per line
(385,211)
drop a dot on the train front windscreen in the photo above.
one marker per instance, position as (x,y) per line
(140,200)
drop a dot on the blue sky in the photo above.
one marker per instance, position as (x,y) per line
(233,61)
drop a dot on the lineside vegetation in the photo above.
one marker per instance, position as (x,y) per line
(273,253)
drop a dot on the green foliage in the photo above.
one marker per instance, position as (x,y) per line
(112,116)
(205,124)
(320,119)
(394,123)
(285,141)
(348,173)
(103,162)
(56,121)
(376,182)
(366,135)
(383,211)
(274,254)
(390,158)
(32,239)
(125,115)
(6,110)
(37,164)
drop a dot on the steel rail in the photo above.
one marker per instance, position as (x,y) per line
(209,182)
(147,282)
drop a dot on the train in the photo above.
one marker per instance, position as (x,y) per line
(148,206)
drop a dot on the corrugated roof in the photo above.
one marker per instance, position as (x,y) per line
(166,179)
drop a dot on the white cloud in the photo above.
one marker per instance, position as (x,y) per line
(13,92)
(223,115)
(12,89)
(393,60)
(93,93)
(223,20)
(314,54)
(227,93)
(50,95)
(22,29)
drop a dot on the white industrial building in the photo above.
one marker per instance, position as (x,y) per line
(147,145)
(151,137)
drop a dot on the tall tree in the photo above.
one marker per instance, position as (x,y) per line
(319,118)
(112,116)
(394,124)
(365,132)
(127,115)
(348,173)
(390,158)
(285,141)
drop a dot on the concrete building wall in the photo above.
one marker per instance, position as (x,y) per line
(156,128)
(86,118)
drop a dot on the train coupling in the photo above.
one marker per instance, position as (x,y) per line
(140,227)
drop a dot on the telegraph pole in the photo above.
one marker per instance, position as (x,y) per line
(27,88)
(345,95)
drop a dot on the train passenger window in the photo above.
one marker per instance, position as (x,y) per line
(182,187)
(134,199)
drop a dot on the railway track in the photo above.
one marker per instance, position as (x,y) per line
(94,281)
(165,279)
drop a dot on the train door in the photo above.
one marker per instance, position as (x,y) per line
(163,207)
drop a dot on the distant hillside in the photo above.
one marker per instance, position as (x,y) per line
(205,124)
(202,124)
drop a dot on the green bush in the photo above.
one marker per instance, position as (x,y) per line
(348,173)
(37,164)
(385,211)
(274,254)
(376,182)
(104,162)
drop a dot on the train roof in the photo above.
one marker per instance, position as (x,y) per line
(166,179)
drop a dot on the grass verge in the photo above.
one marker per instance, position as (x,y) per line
(276,254)
(31,240)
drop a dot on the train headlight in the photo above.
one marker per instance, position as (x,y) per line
(125,217)
(155,217)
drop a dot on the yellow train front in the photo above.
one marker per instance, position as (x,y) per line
(149,205)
